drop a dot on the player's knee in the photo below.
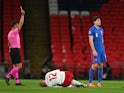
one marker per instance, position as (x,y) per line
(94,66)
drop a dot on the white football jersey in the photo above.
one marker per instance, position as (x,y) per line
(54,78)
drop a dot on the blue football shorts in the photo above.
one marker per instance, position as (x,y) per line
(101,57)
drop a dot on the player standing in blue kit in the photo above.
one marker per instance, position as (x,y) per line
(98,54)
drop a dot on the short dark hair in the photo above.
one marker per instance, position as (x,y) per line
(13,23)
(95,18)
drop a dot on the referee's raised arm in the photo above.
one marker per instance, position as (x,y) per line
(21,21)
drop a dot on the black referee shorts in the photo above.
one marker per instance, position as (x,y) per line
(15,55)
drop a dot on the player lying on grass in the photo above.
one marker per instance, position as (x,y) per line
(57,78)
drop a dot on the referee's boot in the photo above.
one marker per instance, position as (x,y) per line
(7,81)
(19,84)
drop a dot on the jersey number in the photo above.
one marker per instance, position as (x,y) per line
(52,76)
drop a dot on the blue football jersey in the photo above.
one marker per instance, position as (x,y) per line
(97,34)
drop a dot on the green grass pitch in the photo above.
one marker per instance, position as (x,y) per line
(32,86)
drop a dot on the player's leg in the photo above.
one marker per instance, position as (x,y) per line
(11,73)
(78,84)
(68,79)
(100,68)
(16,60)
(16,78)
(92,69)
(91,74)
(100,73)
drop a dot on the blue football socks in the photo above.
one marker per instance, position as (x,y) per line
(91,72)
(100,72)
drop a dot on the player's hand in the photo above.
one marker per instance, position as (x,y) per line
(94,53)
(22,11)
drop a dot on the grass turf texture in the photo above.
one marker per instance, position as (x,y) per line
(32,86)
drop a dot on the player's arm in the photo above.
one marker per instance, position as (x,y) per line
(21,21)
(92,46)
(91,43)
(9,46)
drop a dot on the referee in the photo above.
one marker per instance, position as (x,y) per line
(14,49)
